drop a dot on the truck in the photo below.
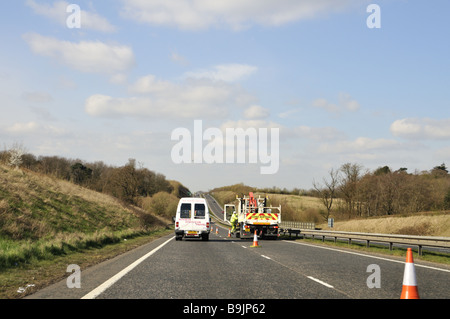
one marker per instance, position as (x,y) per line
(192,219)
(254,215)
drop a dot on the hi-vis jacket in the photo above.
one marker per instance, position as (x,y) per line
(234,219)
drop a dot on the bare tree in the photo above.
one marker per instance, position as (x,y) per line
(349,187)
(15,155)
(328,191)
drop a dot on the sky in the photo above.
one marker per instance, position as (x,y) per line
(341,81)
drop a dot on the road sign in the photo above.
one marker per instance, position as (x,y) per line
(330,222)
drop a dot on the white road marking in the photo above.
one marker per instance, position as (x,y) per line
(364,255)
(266,257)
(97,291)
(320,282)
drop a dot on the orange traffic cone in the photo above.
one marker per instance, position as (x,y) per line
(229,232)
(217,230)
(255,240)
(409,290)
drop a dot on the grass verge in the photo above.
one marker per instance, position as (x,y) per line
(42,273)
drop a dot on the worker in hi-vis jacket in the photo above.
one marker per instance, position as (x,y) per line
(233,221)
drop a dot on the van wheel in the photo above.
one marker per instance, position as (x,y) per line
(205,237)
(177,237)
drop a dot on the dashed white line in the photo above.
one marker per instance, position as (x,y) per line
(266,257)
(320,282)
(365,255)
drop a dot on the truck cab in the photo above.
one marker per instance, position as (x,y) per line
(192,219)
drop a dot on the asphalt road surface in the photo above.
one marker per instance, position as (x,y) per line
(214,207)
(229,268)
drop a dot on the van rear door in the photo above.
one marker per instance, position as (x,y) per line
(185,216)
(193,218)
(199,211)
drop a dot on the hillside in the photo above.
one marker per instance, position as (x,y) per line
(307,209)
(42,217)
(422,224)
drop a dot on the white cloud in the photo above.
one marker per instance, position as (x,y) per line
(66,83)
(225,72)
(256,112)
(289,113)
(426,128)
(360,145)
(37,97)
(20,128)
(32,129)
(164,99)
(371,152)
(317,133)
(149,84)
(179,59)
(58,12)
(324,104)
(85,56)
(246,124)
(346,104)
(119,78)
(236,14)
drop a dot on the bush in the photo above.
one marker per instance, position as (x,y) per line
(161,204)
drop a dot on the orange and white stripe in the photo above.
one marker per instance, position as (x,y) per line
(266,216)
(409,290)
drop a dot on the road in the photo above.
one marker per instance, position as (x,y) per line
(214,207)
(228,268)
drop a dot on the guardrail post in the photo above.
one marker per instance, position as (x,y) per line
(420,250)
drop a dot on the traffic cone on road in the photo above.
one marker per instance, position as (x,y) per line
(217,230)
(229,232)
(255,240)
(409,290)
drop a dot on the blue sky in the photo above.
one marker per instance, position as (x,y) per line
(136,70)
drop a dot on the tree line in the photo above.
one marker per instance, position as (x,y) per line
(129,183)
(353,191)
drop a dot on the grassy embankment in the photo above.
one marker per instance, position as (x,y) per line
(47,224)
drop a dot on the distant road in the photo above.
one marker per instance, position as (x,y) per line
(214,207)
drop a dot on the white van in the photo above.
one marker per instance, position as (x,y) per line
(192,219)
